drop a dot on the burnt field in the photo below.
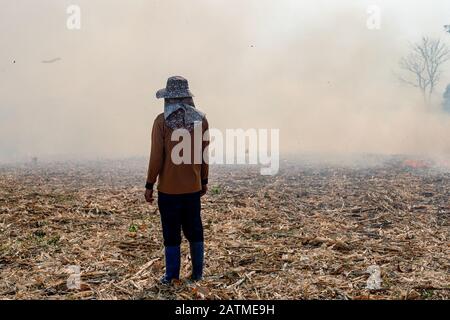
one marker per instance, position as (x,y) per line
(311,232)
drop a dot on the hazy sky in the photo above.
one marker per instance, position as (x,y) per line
(311,68)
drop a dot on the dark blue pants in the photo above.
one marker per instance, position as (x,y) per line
(180,212)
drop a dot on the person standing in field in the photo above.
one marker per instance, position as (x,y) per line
(180,185)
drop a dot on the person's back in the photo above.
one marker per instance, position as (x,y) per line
(176,178)
(182,174)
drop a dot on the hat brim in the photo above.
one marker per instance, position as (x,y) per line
(164,93)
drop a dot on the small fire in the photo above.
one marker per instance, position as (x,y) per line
(423,164)
(417,164)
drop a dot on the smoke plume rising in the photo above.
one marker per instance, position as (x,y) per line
(310,68)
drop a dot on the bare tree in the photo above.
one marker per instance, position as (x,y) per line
(423,65)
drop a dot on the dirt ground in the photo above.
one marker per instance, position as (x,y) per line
(310,232)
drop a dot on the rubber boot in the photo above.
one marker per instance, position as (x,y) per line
(197,253)
(172,255)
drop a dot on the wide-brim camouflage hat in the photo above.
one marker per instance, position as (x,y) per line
(177,87)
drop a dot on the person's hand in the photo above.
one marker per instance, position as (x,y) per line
(204,190)
(149,195)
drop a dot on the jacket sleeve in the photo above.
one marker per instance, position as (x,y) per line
(205,158)
(156,154)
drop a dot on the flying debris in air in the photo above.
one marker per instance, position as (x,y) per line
(51,60)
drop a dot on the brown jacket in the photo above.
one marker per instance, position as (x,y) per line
(174,178)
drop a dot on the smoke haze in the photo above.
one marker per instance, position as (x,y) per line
(310,68)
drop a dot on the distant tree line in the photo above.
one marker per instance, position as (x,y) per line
(446,103)
(423,66)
